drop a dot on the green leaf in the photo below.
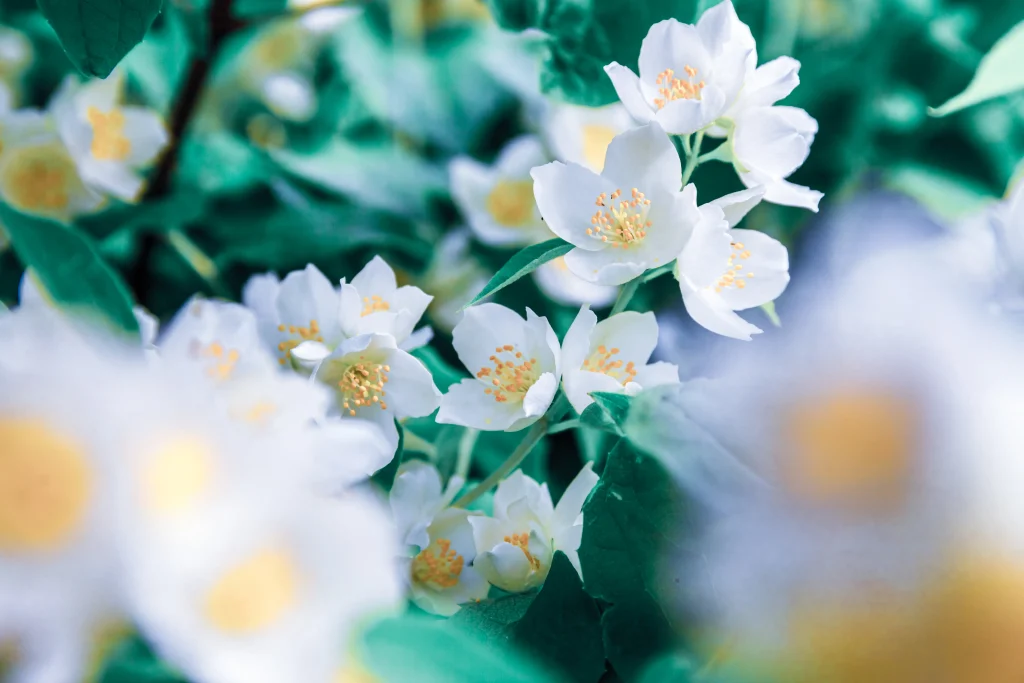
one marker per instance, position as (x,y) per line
(631,522)
(444,374)
(607,412)
(97,34)
(522,264)
(431,651)
(672,668)
(769,310)
(494,619)
(563,625)
(70,269)
(998,74)
(134,662)
(947,195)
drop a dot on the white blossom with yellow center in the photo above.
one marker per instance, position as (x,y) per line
(560,284)
(304,307)
(497,201)
(581,135)
(628,219)
(515,546)
(611,356)
(374,303)
(372,379)
(516,367)
(689,75)
(38,175)
(439,570)
(111,143)
(16,55)
(722,270)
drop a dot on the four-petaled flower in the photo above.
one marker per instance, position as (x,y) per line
(373,302)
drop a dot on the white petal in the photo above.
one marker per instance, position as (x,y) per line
(720,29)
(784,192)
(738,204)
(706,256)
(310,352)
(375,279)
(769,264)
(306,295)
(543,343)
(566,196)
(420,337)
(773,140)
(709,311)
(570,505)
(414,499)
(557,282)
(539,396)
(644,158)
(147,133)
(260,295)
(580,384)
(670,44)
(411,391)
(484,328)
(683,117)
(521,155)
(627,87)
(506,567)
(467,404)
(656,374)
(111,177)
(349,450)
(771,82)
(576,344)
(606,267)
(634,334)
(515,488)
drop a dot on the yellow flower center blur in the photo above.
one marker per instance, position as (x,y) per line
(511,374)
(438,565)
(299,334)
(374,304)
(510,203)
(221,361)
(850,448)
(39,179)
(177,475)
(255,594)
(108,140)
(45,486)
(596,139)
(280,47)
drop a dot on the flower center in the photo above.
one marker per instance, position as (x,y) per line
(596,139)
(440,569)
(108,140)
(601,361)
(621,222)
(311,333)
(222,361)
(733,275)
(177,474)
(522,541)
(38,177)
(254,594)
(45,486)
(511,375)
(374,304)
(362,385)
(676,88)
(510,203)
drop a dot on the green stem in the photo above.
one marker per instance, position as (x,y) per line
(197,259)
(564,426)
(466,444)
(536,433)
(693,158)
(625,294)
(414,442)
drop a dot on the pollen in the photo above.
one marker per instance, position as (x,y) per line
(438,565)
(510,374)
(374,304)
(734,277)
(362,385)
(620,222)
(223,360)
(299,334)
(38,179)
(673,88)
(108,140)
(522,541)
(510,203)
(604,361)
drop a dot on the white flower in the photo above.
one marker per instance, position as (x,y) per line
(1006,223)
(630,218)
(559,283)
(16,55)
(497,201)
(516,366)
(440,574)
(37,173)
(515,547)
(304,307)
(611,356)
(374,303)
(689,75)
(768,145)
(453,277)
(581,135)
(375,380)
(109,142)
(722,270)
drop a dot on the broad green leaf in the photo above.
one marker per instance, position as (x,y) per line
(410,649)
(69,268)
(563,625)
(97,34)
(494,619)
(134,662)
(522,264)
(442,371)
(998,74)
(607,412)
(672,668)
(947,195)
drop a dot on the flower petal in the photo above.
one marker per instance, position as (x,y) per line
(579,384)
(414,499)
(506,567)
(148,135)
(411,391)
(771,82)
(375,279)
(627,87)
(467,404)
(706,256)
(634,334)
(570,505)
(521,155)
(484,328)
(576,344)
(670,44)
(784,192)
(738,204)
(566,196)
(539,396)
(773,140)
(606,267)
(710,312)
(765,272)
(683,117)
(644,158)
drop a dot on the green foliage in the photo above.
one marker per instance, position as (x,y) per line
(97,34)
(495,619)
(133,662)
(608,412)
(69,268)
(522,263)
(999,73)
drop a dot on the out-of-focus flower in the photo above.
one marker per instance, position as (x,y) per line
(722,270)
(1007,225)
(111,143)
(611,356)
(559,283)
(689,75)
(16,56)
(581,135)
(304,307)
(516,366)
(453,277)
(497,201)
(440,574)
(630,218)
(373,379)
(516,545)
(37,173)
(374,303)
